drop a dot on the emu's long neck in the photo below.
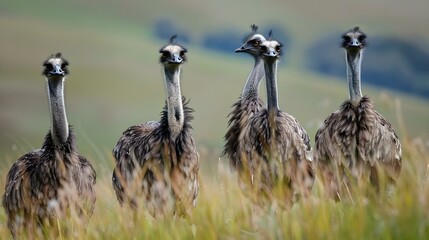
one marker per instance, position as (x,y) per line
(60,128)
(252,84)
(174,100)
(354,59)
(271,79)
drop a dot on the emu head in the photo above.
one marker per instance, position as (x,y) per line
(252,42)
(271,49)
(354,39)
(172,53)
(55,66)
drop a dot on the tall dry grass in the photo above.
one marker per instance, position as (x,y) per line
(223,212)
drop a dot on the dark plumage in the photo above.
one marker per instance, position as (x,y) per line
(274,147)
(248,103)
(49,182)
(356,140)
(157,163)
(242,111)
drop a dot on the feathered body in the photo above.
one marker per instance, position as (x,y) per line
(50,182)
(356,137)
(249,102)
(155,169)
(277,155)
(242,111)
(157,163)
(274,147)
(44,184)
(356,142)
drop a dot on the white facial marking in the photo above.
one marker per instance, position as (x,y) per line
(55,61)
(173,49)
(258,37)
(273,44)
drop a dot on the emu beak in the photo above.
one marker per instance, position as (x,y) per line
(175,58)
(271,53)
(240,49)
(354,43)
(57,70)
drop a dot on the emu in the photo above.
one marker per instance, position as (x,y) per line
(275,149)
(157,163)
(47,183)
(249,102)
(355,142)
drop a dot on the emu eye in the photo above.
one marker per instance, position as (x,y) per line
(278,48)
(263,48)
(346,38)
(361,37)
(255,43)
(165,53)
(182,53)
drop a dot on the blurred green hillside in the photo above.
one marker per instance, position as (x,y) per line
(116,82)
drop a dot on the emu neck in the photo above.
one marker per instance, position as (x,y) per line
(271,79)
(354,59)
(174,100)
(254,79)
(59,128)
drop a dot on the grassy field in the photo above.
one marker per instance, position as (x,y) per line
(222,211)
(115,82)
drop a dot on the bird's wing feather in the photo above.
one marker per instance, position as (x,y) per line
(18,179)
(335,137)
(378,143)
(243,110)
(133,141)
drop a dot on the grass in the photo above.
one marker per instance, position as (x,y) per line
(115,78)
(223,212)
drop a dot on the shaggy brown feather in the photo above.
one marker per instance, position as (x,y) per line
(243,110)
(154,170)
(44,184)
(277,159)
(357,138)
